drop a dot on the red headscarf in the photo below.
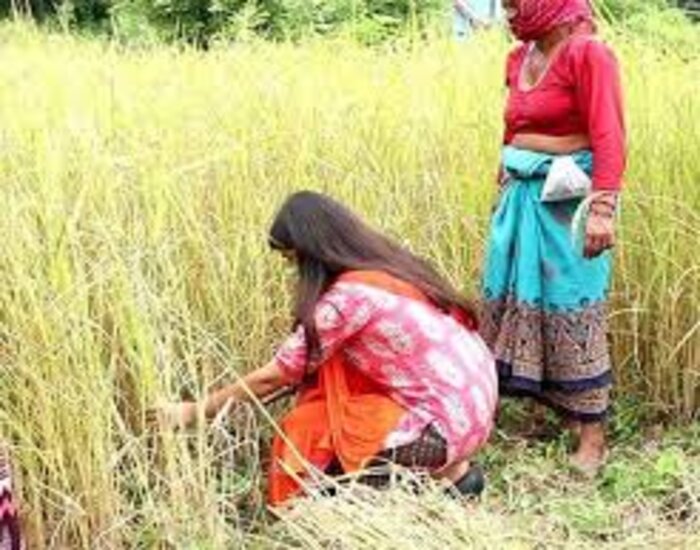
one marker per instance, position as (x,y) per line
(534,18)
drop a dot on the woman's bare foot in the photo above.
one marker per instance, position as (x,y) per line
(592,450)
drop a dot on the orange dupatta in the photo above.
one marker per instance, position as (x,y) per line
(346,415)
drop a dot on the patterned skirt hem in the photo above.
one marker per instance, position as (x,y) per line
(508,380)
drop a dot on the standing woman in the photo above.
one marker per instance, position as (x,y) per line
(545,289)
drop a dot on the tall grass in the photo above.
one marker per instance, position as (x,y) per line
(137,187)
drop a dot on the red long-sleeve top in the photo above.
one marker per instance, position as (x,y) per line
(580,93)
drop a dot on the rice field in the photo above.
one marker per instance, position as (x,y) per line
(137,186)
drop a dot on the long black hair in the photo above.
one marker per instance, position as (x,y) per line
(327,240)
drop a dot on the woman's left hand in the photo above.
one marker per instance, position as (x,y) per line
(600,233)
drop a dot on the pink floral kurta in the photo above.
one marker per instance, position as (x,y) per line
(442,373)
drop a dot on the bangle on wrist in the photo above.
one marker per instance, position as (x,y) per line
(605,199)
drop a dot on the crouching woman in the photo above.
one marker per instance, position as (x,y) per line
(384,353)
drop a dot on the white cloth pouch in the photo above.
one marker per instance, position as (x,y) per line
(565,180)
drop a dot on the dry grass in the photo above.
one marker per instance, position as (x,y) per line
(137,187)
(532,502)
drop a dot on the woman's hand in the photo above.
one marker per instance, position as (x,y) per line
(173,415)
(600,227)
(254,385)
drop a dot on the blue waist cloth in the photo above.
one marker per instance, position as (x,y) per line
(531,256)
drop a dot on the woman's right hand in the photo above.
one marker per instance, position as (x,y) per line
(180,415)
(173,416)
